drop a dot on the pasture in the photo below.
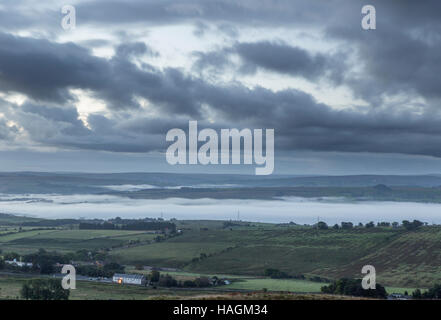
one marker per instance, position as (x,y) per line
(67,240)
(402,258)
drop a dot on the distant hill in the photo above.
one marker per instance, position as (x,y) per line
(91,183)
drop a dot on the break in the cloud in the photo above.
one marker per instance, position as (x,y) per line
(304,68)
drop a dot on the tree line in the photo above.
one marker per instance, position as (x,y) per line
(353,287)
(135,226)
(408,225)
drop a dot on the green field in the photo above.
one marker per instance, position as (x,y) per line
(276,285)
(412,259)
(260,283)
(170,253)
(239,251)
(10,289)
(403,259)
(65,240)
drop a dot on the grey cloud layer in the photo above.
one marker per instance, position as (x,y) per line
(401,57)
(274,56)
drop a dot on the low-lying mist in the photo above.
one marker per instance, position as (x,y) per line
(298,210)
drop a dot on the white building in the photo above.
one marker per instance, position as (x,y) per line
(18,263)
(136,279)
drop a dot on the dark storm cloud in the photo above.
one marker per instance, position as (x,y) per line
(47,124)
(45,71)
(57,126)
(300,122)
(396,63)
(318,13)
(282,58)
(275,56)
(401,57)
(158,12)
(216,60)
(285,59)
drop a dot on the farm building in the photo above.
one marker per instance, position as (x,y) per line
(19,263)
(136,279)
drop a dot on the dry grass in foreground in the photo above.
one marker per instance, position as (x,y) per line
(263,296)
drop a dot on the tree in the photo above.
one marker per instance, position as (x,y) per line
(383,224)
(139,266)
(416,294)
(322,225)
(353,287)
(276,274)
(189,284)
(202,282)
(44,261)
(113,267)
(11,256)
(347,225)
(154,276)
(167,281)
(415,224)
(433,292)
(44,289)
(46,267)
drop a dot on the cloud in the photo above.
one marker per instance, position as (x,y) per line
(45,70)
(285,59)
(61,127)
(127,50)
(394,69)
(300,123)
(7,132)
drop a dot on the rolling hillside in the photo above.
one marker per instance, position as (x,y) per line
(402,258)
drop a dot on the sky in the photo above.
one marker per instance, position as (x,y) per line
(102,96)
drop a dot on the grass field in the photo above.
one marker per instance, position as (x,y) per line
(403,259)
(10,289)
(412,259)
(28,235)
(260,283)
(276,285)
(239,251)
(170,253)
(64,240)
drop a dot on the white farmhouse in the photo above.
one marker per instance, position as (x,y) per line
(136,279)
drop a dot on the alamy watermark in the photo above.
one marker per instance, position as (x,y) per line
(69,281)
(69,20)
(369,281)
(369,20)
(211,151)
